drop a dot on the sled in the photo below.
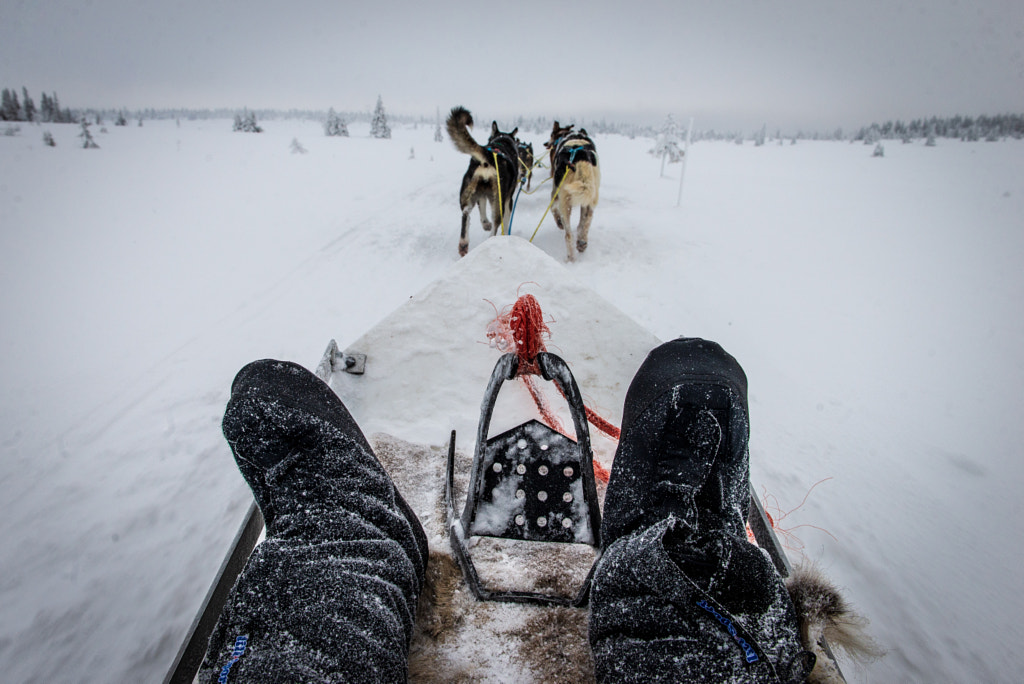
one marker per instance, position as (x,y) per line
(412,399)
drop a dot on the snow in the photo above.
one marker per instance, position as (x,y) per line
(873,302)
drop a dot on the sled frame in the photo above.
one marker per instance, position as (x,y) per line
(525,458)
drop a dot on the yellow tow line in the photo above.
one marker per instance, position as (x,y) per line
(501,205)
(553,197)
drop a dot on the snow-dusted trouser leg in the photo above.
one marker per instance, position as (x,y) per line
(330,596)
(679,594)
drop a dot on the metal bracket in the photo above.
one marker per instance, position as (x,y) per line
(334,360)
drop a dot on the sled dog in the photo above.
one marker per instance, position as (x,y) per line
(576,178)
(526,160)
(493,169)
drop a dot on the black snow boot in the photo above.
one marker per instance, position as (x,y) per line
(684,443)
(679,594)
(330,595)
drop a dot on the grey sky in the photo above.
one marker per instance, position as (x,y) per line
(792,63)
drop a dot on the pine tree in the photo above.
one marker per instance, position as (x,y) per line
(335,125)
(48,139)
(87,142)
(666,145)
(379,125)
(45,108)
(11,110)
(28,107)
(121,120)
(245,122)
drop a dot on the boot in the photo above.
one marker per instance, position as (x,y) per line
(330,595)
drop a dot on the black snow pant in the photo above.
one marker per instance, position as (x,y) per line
(679,594)
(330,595)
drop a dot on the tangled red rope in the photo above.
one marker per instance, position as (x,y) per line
(523,330)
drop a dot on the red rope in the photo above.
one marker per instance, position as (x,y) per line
(523,328)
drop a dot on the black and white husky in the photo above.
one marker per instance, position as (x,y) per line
(493,171)
(576,179)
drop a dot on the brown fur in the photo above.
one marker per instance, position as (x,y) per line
(574,184)
(825,617)
(550,653)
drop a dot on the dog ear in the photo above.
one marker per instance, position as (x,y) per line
(584,131)
(494,128)
(514,131)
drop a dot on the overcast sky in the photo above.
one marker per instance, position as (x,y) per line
(729,63)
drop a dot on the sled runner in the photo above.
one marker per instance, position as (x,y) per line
(412,382)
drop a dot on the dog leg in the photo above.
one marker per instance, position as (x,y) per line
(464,235)
(586,216)
(487,225)
(565,209)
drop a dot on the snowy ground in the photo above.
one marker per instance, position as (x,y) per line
(875,304)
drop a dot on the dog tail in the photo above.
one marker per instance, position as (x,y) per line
(459,122)
(584,184)
(824,615)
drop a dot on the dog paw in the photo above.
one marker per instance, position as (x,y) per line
(488,226)
(463,248)
(581,245)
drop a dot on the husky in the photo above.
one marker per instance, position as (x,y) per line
(526,160)
(493,170)
(576,178)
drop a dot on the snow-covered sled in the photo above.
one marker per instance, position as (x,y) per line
(413,382)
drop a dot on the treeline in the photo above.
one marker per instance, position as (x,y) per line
(966,128)
(49,110)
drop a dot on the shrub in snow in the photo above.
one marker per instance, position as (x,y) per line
(438,136)
(379,125)
(335,125)
(297,147)
(879,151)
(121,120)
(12,131)
(48,139)
(412,153)
(761,136)
(87,142)
(244,122)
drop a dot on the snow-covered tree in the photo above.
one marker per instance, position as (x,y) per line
(244,122)
(28,107)
(121,120)
(87,141)
(879,151)
(379,125)
(438,136)
(297,147)
(10,109)
(666,145)
(48,139)
(335,125)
